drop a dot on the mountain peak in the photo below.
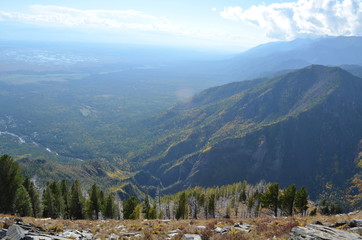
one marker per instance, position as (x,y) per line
(272,129)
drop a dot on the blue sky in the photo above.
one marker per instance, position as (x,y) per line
(230,25)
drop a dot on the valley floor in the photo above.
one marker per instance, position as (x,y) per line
(253,228)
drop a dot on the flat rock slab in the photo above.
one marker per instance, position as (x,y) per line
(243,227)
(191,237)
(113,236)
(356,230)
(15,232)
(318,232)
(222,230)
(75,234)
(131,234)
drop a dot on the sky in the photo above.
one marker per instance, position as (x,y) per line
(227,25)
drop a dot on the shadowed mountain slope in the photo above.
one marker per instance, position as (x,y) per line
(302,127)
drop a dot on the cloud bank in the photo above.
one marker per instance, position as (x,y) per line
(116,22)
(71,17)
(287,21)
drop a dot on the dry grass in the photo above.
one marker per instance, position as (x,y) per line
(263,228)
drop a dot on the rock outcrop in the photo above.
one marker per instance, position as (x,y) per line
(191,237)
(320,232)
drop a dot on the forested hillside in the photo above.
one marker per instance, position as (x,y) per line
(59,199)
(140,127)
(302,127)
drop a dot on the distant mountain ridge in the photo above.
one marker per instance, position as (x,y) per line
(302,127)
(272,57)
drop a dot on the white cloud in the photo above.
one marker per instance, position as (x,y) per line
(63,16)
(214,9)
(117,21)
(287,21)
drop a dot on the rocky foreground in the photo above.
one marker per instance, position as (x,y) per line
(348,226)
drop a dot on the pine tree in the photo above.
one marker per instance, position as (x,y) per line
(64,188)
(10,181)
(301,200)
(153,212)
(287,200)
(146,208)
(242,196)
(211,205)
(129,208)
(201,201)
(94,201)
(58,199)
(22,204)
(48,203)
(102,202)
(76,204)
(182,205)
(34,196)
(270,199)
(111,210)
(137,212)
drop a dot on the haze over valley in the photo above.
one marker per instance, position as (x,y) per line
(144,101)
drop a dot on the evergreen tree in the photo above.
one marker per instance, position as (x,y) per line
(270,199)
(129,208)
(301,201)
(287,200)
(146,208)
(182,205)
(137,212)
(10,181)
(34,196)
(242,196)
(64,188)
(48,203)
(111,210)
(58,199)
(153,212)
(22,203)
(201,201)
(211,205)
(329,208)
(102,202)
(94,201)
(76,204)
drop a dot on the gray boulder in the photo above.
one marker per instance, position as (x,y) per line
(71,234)
(3,233)
(135,234)
(75,234)
(191,237)
(218,229)
(222,230)
(243,227)
(173,233)
(319,232)
(15,232)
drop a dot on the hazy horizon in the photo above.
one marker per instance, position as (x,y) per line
(230,26)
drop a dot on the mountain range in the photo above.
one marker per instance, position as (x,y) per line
(303,127)
(274,57)
(295,122)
